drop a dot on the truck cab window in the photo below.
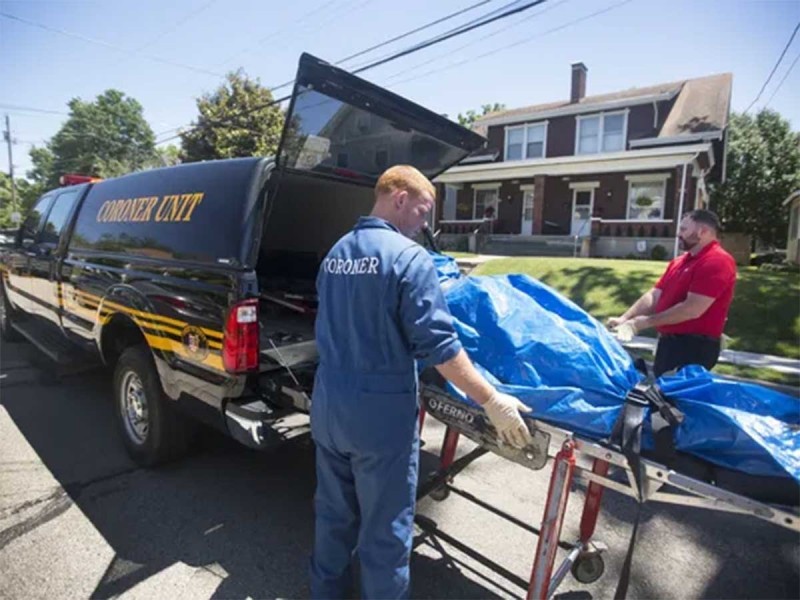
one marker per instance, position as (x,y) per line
(35,219)
(59,213)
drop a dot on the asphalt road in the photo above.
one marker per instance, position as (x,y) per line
(79,519)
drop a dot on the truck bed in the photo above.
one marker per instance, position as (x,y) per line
(286,335)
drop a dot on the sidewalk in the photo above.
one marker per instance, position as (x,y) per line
(781,364)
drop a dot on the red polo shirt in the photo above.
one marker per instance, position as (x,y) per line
(712,273)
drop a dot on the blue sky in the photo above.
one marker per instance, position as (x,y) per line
(635,43)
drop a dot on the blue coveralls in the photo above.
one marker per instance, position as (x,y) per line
(380,308)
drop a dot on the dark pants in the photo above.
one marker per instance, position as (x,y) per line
(676,351)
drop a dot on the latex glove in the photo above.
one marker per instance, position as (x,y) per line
(503,411)
(615,322)
(625,332)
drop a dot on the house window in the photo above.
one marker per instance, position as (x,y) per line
(485,199)
(450,203)
(526,141)
(646,199)
(515,140)
(601,133)
(794,227)
(588,134)
(362,122)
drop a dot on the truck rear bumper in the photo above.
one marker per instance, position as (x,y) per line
(259,426)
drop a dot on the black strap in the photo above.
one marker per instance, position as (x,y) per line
(625,573)
(664,417)
(630,432)
(663,422)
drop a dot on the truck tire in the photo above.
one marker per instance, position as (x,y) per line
(7,332)
(152,429)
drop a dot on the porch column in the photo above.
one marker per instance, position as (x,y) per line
(679,214)
(538,204)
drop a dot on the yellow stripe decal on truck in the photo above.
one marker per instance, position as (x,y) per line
(209,356)
(146,315)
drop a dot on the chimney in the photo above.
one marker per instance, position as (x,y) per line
(578,90)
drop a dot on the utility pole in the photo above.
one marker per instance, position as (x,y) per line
(7,136)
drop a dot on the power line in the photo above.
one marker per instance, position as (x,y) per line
(413,31)
(794,62)
(525,40)
(458,27)
(107,45)
(775,68)
(416,48)
(480,39)
(448,35)
(396,38)
(275,32)
(13,107)
(185,19)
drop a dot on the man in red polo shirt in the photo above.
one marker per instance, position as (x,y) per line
(689,304)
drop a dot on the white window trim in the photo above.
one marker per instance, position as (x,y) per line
(525,189)
(575,191)
(482,187)
(602,115)
(584,185)
(524,127)
(651,177)
(663,195)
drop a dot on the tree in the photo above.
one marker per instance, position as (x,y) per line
(104,138)
(466,120)
(763,168)
(168,156)
(237,119)
(26,196)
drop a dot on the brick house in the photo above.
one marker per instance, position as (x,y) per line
(606,174)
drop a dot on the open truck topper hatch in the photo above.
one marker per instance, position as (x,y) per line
(339,125)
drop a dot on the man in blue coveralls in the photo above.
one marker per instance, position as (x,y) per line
(381,309)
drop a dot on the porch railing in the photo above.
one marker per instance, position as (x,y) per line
(641,229)
(466,226)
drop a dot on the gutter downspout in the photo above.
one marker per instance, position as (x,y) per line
(679,214)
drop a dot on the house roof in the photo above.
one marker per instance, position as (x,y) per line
(702,104)
(630,161)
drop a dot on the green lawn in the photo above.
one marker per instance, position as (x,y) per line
(764,317)
(460,254)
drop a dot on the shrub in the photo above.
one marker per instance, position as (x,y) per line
(659,252)
(784,267)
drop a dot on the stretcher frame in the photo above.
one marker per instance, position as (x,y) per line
(573,457)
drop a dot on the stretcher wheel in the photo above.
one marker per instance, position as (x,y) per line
(588,567)
(440,494)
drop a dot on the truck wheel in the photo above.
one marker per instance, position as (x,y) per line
(152,429)
(7,332)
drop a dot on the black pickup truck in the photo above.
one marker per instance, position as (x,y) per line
(195,283)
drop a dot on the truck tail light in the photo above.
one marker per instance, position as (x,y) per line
(240,345)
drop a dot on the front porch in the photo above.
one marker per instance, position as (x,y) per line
(605,238)
(598,227)
(609,246)
(601,205)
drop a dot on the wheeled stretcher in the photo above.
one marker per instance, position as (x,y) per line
(572,457)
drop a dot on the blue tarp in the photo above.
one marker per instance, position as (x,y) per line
(535,344)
